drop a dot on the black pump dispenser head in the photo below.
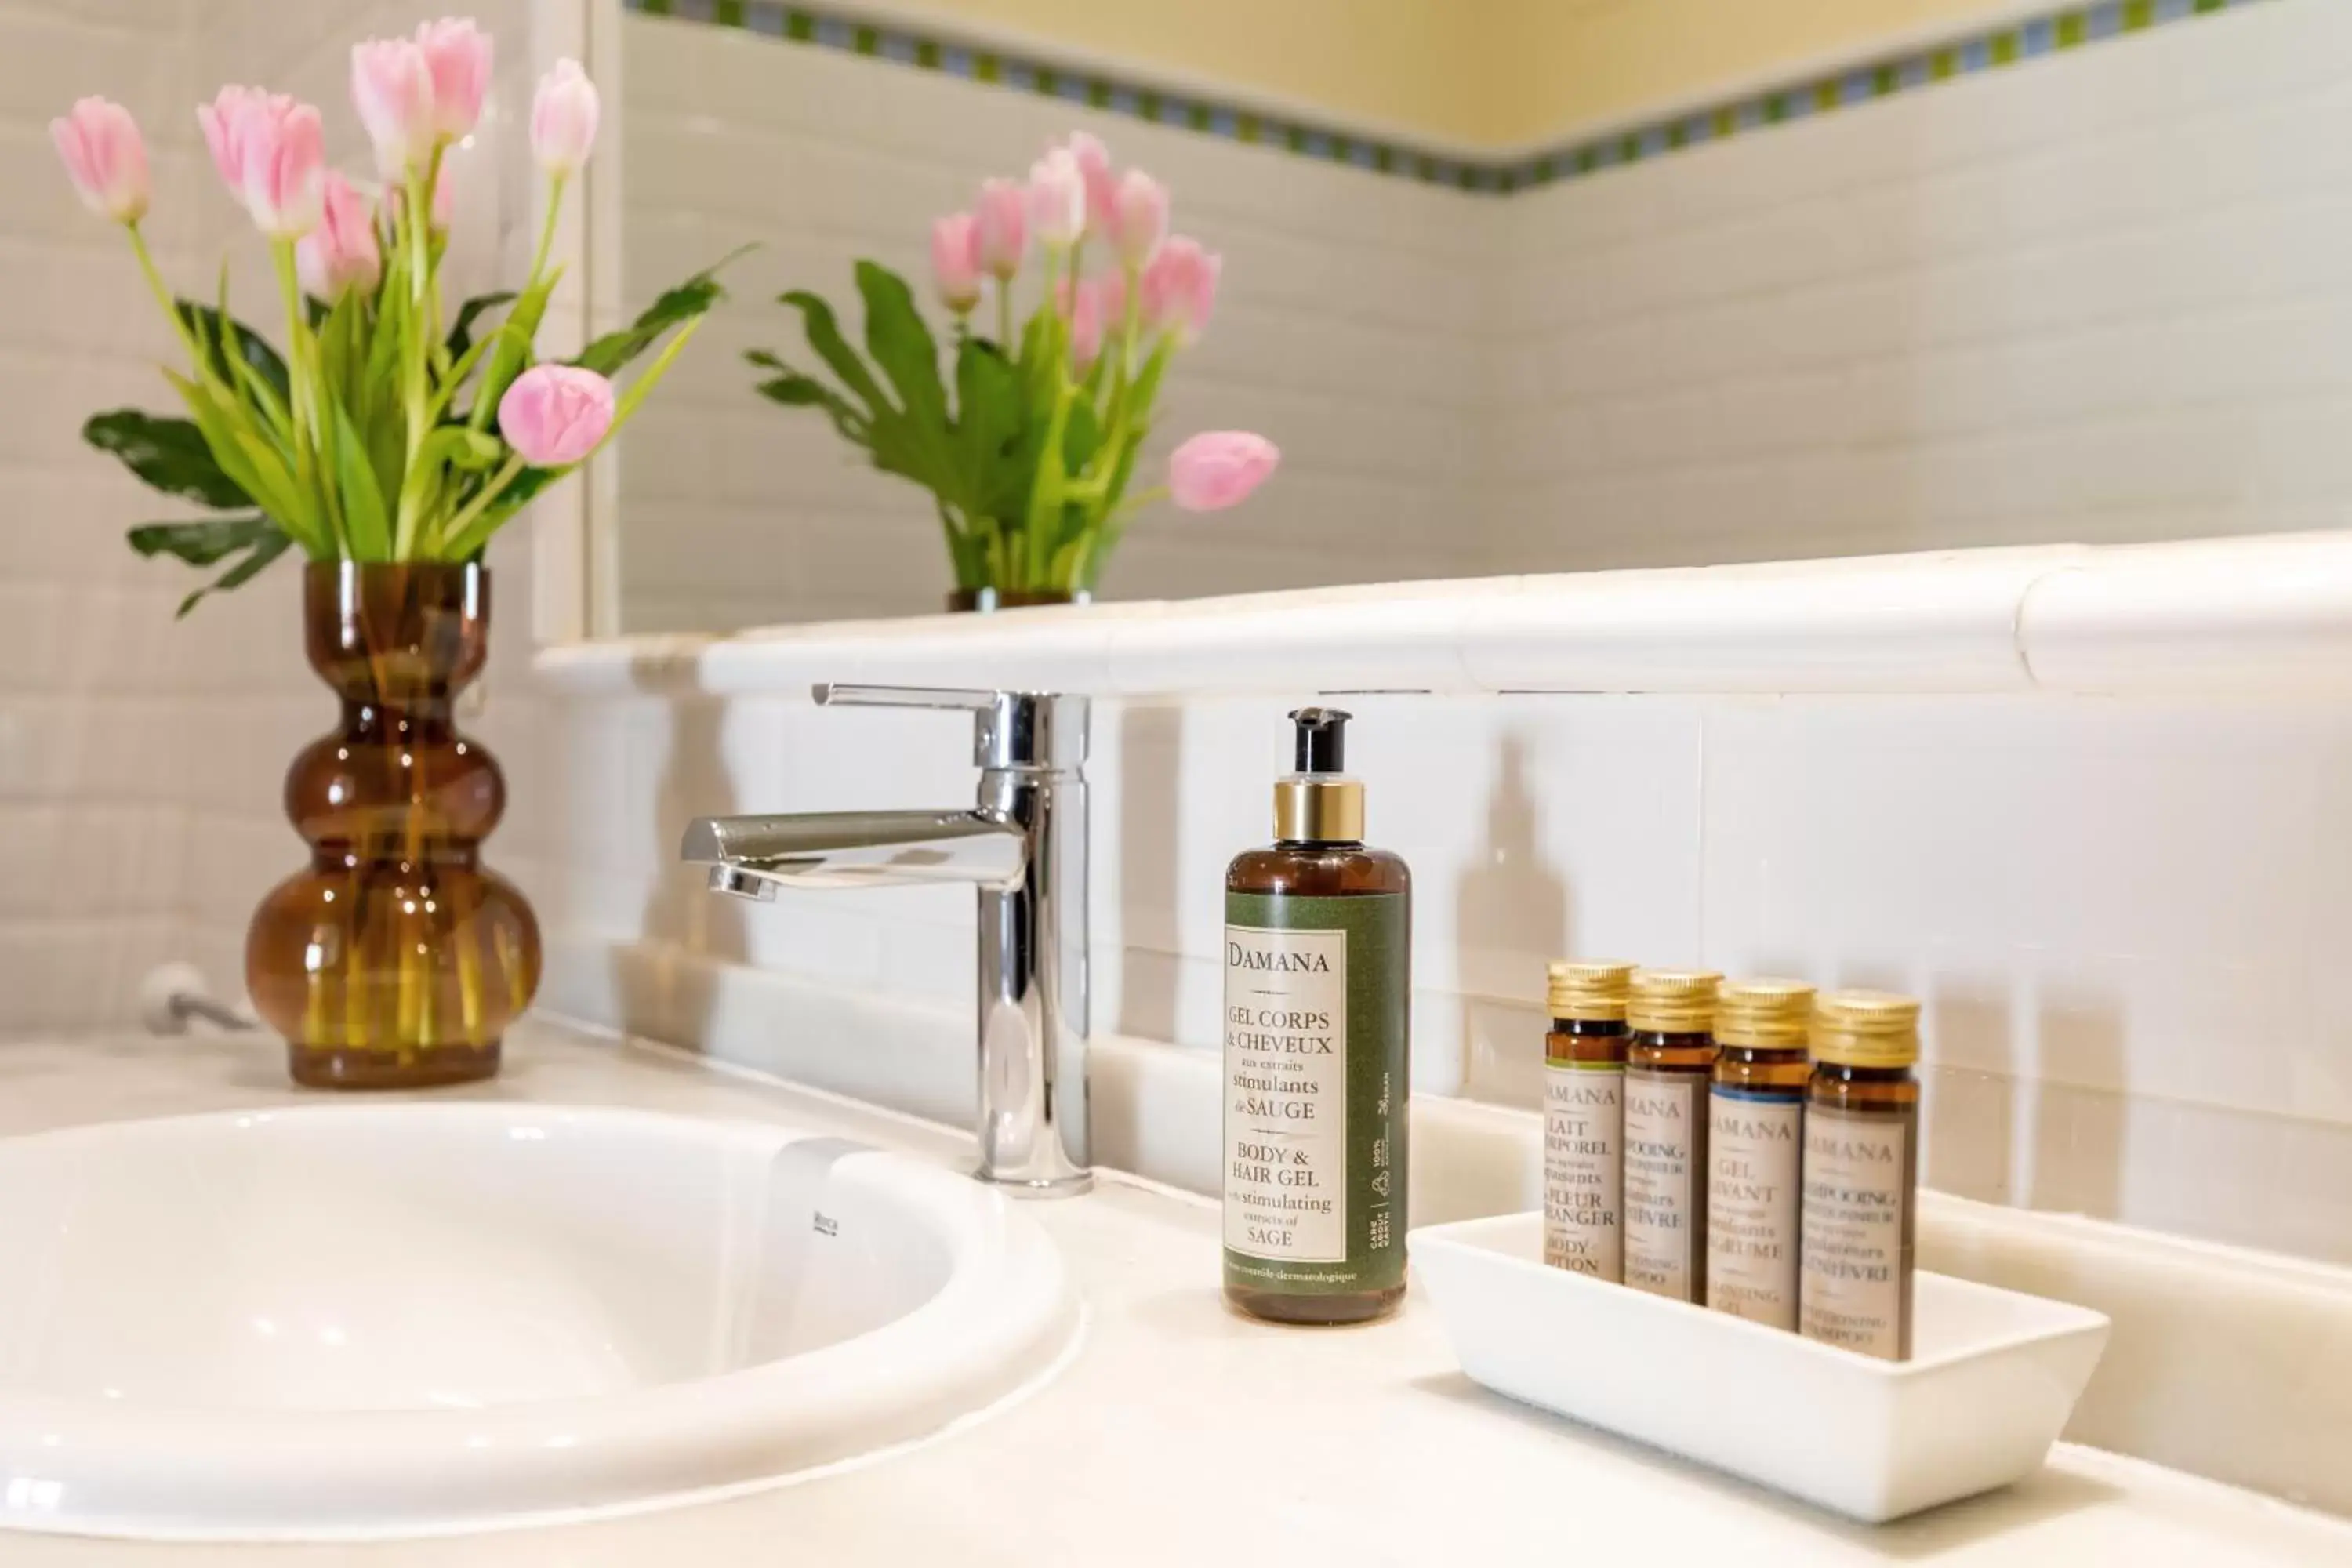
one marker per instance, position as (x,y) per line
(1319,805)
(1322,736)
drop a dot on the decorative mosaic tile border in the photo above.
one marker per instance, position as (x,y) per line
(2056,33)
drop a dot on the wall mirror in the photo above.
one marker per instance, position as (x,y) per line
(1511,285)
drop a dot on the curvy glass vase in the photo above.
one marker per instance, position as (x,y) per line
(398,960)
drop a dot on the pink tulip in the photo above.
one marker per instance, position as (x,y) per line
(1179,288)
(1212,471)
(1057,199)
(392,87)
(955,261)
(1002,228)
(224,119)
(285,172)
(457,57)
(555,415)
(1139,217)
(105,157)
(341,254)
(563,118)
(1094,166)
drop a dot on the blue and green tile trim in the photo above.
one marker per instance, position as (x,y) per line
(1995,50)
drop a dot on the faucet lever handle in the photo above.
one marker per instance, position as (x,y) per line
(850,694)
(1024,729)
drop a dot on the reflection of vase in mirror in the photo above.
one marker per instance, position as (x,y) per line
(396,959)
(987,599)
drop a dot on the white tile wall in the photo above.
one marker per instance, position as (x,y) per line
(1344,331)
(141,759)
(2123,914)
(2093,298)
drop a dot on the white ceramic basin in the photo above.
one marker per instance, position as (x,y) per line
(414,1318)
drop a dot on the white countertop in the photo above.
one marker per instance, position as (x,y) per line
(1182,1433)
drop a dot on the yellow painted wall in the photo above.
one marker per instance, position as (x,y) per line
(1556,65)
(1491,73)
(1406,63)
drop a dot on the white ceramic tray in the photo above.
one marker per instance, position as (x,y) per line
(1992,1377)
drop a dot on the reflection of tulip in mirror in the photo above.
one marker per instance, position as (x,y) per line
(1218,469)
(1028,436)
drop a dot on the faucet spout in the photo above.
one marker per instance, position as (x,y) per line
(749,855)
(1024,847)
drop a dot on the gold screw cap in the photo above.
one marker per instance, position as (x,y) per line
(1589,990)
(1867,1029)
(1763,1015)
(1672,1001)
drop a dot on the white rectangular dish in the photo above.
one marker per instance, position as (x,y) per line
(1992,1377)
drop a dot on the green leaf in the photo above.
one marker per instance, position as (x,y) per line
(205,543)
(257,354)
(903,346)
(365,524)
(794,390)
(510,350)
(170,455)
(825,337)
(263,550)
(991,413)
(461,331)
(676,306)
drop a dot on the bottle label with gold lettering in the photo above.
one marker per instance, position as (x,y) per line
(1316,1089)
(1584,1152)
(1855,1278)
(1665,1151)
(1754,1145)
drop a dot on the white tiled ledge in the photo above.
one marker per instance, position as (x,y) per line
(2256,614)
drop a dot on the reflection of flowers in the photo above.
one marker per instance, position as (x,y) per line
(1029,438)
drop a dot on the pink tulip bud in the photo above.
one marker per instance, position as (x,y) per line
(1057,199)
(1139,217)
(392,88)
(458,59)
(285,172)
(224,119)
(105,157)
(341,254)
(563,118)
(1004,228)
(1179,288)
(955,261)
(555,415)
(1093,164)
(1212,471)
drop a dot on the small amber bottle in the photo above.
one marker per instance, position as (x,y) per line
(1755,1144)
(1318,1052)
(1669,1055)
(1862,1173)
(1584,1119)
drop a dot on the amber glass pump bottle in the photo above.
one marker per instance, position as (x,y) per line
(1316,1054)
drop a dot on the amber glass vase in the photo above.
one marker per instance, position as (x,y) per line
(396,959)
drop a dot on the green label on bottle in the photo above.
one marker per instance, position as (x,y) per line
(1316,992)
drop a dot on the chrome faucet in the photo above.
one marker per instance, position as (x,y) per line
(1024,846)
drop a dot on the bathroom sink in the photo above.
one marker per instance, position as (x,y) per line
(406,1318)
